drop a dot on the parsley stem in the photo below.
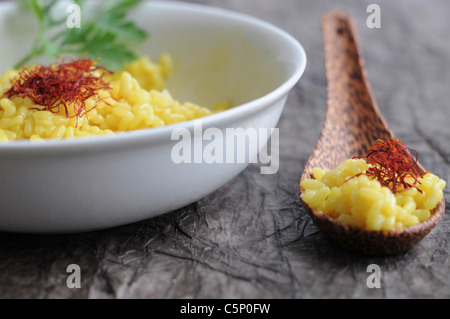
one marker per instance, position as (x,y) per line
(34,53)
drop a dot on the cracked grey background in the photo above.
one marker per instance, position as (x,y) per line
(252,237)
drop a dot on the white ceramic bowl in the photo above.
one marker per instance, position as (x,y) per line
(89,184)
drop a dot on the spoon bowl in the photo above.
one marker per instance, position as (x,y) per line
(352,123)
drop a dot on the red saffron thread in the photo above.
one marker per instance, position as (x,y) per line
(64,84)
(392,163)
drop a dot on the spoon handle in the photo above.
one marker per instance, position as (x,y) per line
(352,121)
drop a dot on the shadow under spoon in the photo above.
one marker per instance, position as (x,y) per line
(352,124)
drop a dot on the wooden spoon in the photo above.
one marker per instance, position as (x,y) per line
(352,124)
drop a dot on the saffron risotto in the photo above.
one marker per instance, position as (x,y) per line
(137,99)
(351,197)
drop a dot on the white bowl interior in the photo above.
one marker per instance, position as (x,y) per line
(218,56)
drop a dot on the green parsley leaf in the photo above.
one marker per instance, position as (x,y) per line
(38,8)
(51,49)
(104,46)
(120,5)
(108,36)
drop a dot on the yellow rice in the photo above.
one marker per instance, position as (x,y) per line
(364,202)
(138,99)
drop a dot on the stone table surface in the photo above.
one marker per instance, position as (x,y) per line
(252,238)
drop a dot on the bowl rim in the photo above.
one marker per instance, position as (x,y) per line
(120,139)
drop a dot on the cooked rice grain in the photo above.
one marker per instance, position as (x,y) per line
(363,202)
(137,100)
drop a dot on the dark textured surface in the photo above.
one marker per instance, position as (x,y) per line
(252,238)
